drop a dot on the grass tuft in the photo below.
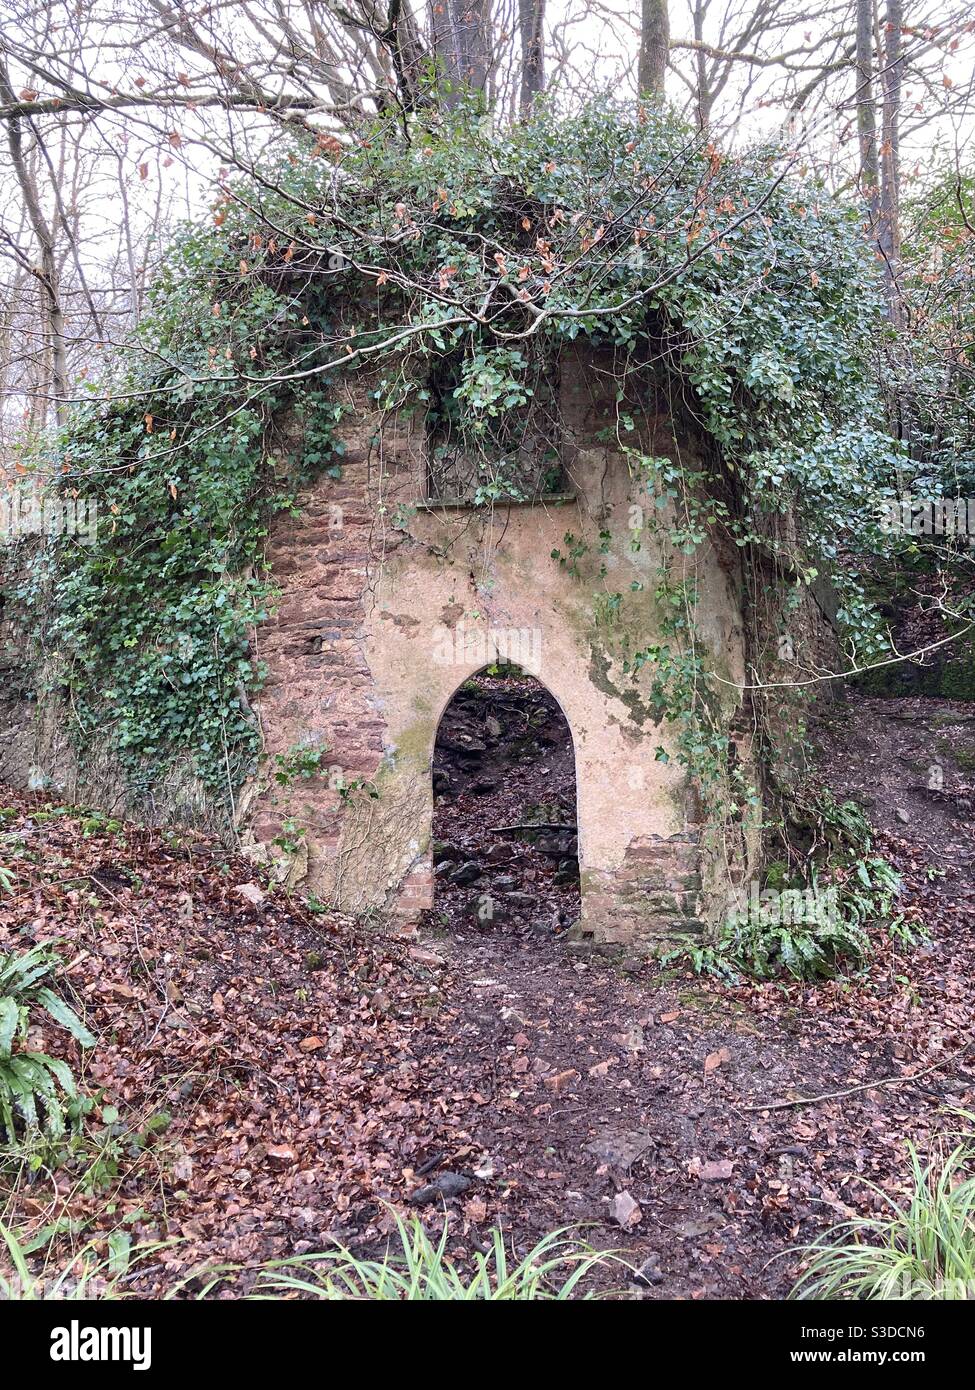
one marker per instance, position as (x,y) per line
(920,1249)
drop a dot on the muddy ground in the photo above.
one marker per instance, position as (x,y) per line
(280,1074)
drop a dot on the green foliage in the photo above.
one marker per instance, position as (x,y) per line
(762,946)
(936,377)
(420,1270)
(85,1274)
(554,1271)
(301,761)
(146,632)
(32,1081)
(477,249)
(811,919)
(920,1248)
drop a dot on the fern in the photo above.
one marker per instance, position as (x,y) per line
(33,1084)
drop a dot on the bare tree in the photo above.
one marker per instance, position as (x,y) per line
(888,230)
(116,120)
(47,271)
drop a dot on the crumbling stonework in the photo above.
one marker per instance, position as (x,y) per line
(17,708)
(388,603)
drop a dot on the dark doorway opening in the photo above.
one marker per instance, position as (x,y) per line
(505,848)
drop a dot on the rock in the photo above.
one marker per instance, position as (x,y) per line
(281,1156)
(423,957)
(484,910)
(466,873)
(625,1211)
(517,900)
(718,1171)
(177,1020)
(696,1226)
(255,851)
(649,1272)
(561,1080)
(620,1148)
(903,815)
(633,1039)
(446,1185)
(464,744)
(499,854)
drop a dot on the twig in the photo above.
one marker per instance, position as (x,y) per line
(532,825)
(866,1086)
(429,1166)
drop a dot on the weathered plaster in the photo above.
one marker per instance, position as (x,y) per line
(379,623)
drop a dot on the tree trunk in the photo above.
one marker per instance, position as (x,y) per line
(470,39)
(531,23)
(47,271)
(702,91)
(867,112)
(888,231)
(654,47)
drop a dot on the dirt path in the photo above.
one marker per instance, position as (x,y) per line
(588,1082)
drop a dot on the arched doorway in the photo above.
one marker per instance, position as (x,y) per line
(505,843)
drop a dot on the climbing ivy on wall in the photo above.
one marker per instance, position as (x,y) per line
(745,287)
(145,634)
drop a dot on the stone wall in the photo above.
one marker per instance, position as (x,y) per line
(387,605)
(18,711)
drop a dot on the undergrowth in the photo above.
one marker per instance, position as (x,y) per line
(918,1248)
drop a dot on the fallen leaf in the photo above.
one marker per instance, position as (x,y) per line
(475,1209)
(251,893)
(718,1171)
(561,1080)
(281,1155)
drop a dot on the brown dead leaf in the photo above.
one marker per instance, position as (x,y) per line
(561,1080)
(281,1156)
(475,1209)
